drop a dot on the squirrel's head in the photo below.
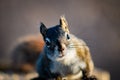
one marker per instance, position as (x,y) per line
(57,39)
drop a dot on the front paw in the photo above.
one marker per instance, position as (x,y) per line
(86,77)
(89,78)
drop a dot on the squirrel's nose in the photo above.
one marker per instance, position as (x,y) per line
(61,47)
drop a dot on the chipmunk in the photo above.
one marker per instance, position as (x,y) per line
(64,57)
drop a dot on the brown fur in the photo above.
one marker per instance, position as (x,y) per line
(84,53)
(26,52)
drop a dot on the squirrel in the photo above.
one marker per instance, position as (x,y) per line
(64,56)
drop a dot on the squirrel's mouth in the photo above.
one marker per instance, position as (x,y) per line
(61,55)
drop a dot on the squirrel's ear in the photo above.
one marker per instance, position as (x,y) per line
(43,29)
(64,24)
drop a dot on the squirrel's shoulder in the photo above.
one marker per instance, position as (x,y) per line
(76,40)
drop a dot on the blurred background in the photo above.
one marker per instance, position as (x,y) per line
(97,22)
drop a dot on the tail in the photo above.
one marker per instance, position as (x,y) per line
(25,53)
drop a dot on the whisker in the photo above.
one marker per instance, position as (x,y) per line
(75,46)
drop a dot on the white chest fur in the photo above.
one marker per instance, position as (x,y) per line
(69,64)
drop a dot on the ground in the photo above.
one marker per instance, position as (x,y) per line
(16,76)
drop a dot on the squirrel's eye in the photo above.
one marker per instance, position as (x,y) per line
(47,41)
(68,37)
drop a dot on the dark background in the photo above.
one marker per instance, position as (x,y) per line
(95,21)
